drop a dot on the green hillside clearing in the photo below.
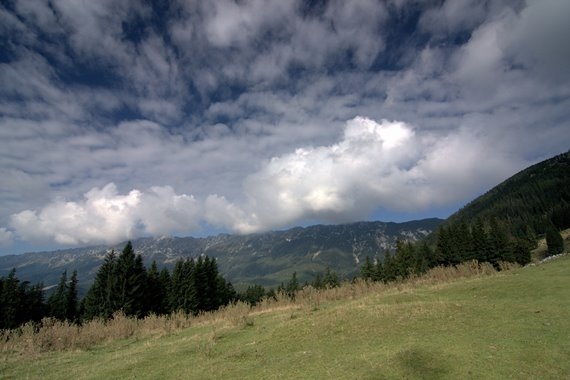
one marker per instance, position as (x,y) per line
(514,324)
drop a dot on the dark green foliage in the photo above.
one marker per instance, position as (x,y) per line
(71,300)
(560,216)
(100,299)
(57,302)
(526,201)
(253,294)
(404,259)
(123,283)
(554,241)
(20,302)
(390,267)
(331,279)
(156,296)
(367,269)
(292,286)
(63,303)
(521,252)
(120,285)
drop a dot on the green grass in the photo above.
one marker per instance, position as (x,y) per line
(513,325)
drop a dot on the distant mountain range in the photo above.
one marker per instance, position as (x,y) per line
(263,258)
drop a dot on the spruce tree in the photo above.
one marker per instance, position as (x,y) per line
(390,267)
(292,286)
(331,279)
(367,269)
(554,241)
(100,300)
(71,300)
(57,302)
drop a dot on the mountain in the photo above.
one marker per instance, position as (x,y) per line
(265,258)
(526,203)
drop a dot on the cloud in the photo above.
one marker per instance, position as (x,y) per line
(105,216)
(245,106)
(376,164)
(6,237)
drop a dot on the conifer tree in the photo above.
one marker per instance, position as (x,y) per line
(367,269)
(57,302)
(71,300)
(378,274)
(292,286)
(554,241)
(100,300)
(331,279)
(390,267)
(155,292)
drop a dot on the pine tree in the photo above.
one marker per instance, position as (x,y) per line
(100,300)
(71,300)
(318,282)
(367,269)
(331,279)
(480,242)
(423,258)
(404,258)
(390,267)
(521,252)
(554,241)
(292,286)
(57,301)
(155,292)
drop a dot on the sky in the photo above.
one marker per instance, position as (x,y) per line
(121,119)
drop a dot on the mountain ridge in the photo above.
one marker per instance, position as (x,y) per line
(266,258)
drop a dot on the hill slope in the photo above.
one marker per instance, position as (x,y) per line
(265,258)
(509,325)
(527,199)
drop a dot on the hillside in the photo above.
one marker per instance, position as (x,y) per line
(265,258)
(512,324)
(527,202)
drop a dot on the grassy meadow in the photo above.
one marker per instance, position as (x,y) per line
(450,324)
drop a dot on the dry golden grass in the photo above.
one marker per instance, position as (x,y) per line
(53,335)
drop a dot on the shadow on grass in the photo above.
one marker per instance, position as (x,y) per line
(418,363)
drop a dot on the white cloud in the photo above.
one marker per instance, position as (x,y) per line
(6,237)
(105,216)
(384,164)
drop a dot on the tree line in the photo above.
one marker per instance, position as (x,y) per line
(455,244)
(122,283)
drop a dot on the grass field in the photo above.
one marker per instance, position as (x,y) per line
(511,325)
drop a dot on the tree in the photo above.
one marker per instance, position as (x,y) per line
(330,279)
(554,241)
(521,252)
(20,302)
(292,286)
(71,300)
(156,292)
(367,269)
(390,267)
(404,258)
(131,282)
(253,294)
(57,301)
(100,300)
(423,258)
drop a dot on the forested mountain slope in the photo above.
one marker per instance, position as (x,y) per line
(527,202)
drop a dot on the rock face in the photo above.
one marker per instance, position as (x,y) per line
(266,258)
